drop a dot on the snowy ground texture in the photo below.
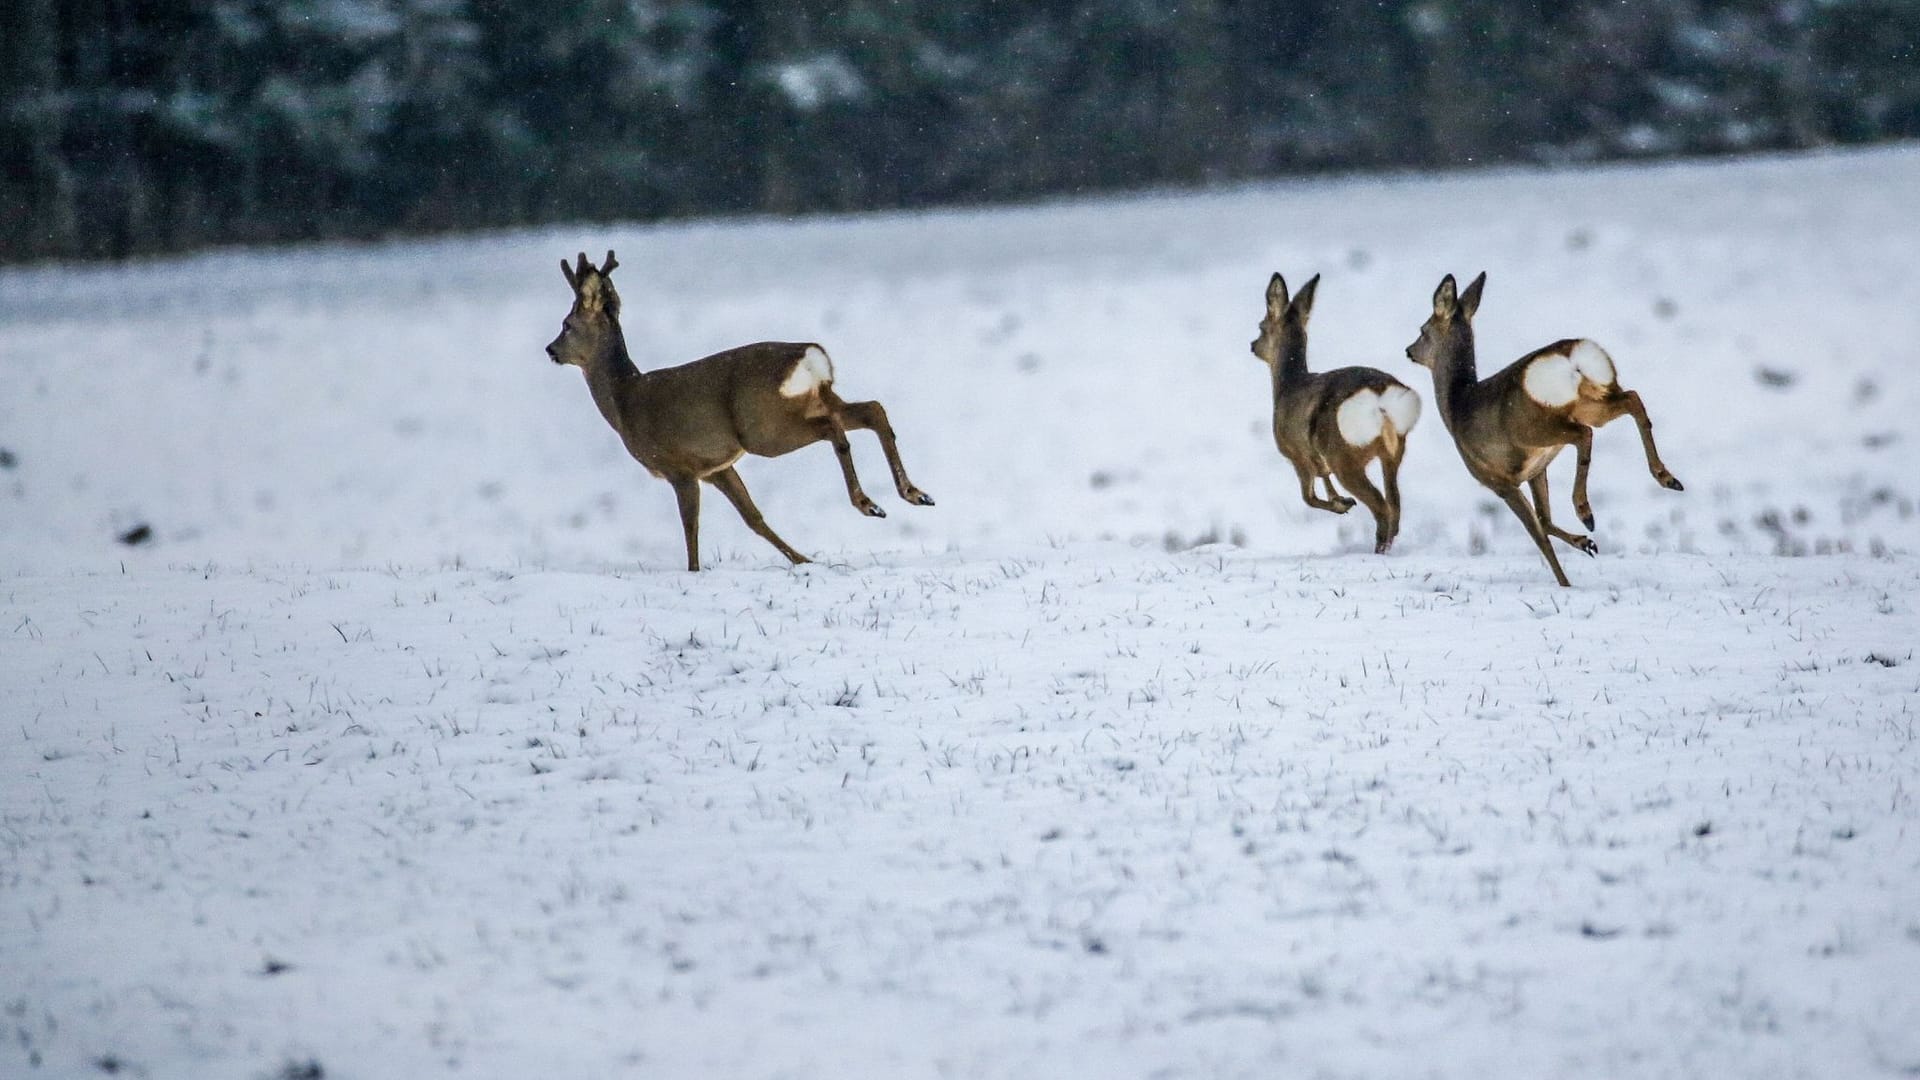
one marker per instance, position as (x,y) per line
(404,749)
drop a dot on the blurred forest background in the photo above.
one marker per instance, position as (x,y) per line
(131,126)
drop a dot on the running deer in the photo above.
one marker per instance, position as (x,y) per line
(1512,424)
(693,422)
(1333,424)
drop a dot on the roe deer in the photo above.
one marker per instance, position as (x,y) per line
(1510,426)
(1334,423)
(691,423)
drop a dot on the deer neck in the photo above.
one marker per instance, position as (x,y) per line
(611,375)
(1290,363)
(1455,374)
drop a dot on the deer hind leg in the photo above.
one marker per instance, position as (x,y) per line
(1583,450)
(1543,508)
(1654,464)
(833,429)
(1518,504)
(872,416)
(1627,403)
(1390,479)
(728,483)
(1353,474)
(688,493)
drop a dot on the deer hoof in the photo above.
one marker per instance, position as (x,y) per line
(1669,481)
(1587,545)
(1382,547)
(917,497)
(870,508)
(1586,515)
(1343,505)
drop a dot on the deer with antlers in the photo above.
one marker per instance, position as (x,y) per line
(691,423)
(1337,422)
(1510,425)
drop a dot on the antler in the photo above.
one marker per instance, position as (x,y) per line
(576,272)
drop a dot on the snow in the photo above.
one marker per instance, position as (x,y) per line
(405,749)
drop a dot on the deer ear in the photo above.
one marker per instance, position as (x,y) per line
(1470,300)
(581,265)
(1444,298)
(607,267)
(1303,302)
(1276,295)
(566,271)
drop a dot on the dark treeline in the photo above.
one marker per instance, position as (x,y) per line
(132,126)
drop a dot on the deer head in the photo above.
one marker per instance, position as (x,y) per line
(593,326)
(1450,329)
(1285,318)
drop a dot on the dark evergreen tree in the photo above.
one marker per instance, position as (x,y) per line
(148,125)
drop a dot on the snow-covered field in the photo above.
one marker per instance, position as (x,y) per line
(405,749)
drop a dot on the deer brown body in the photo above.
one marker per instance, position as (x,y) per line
(691,423)
(1511,425)
(1336,423)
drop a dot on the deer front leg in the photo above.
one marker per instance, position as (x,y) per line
(1518,504)
(688,492)
(1339,506)
(1544,509)
(1343,503)
(872,416)
(735,489)
(1654,464)
(836,432)
(1354,475)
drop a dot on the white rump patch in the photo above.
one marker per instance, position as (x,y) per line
(1552,380)
(1359,418)
(1402,407)
(1592,362)
(813,371)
